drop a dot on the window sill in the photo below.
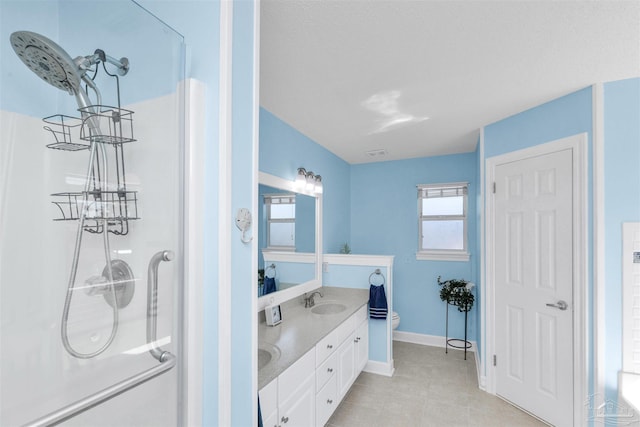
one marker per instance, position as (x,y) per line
(442,256)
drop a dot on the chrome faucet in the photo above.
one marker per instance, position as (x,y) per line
(308,300)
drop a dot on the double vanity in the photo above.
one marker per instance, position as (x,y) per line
(308,362)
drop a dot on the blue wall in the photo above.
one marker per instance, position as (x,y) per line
(384,221)
(283,150)
(19,86)
(373,207)
(622,204)
(557,119)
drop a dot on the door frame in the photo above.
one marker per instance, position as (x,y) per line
(578,145)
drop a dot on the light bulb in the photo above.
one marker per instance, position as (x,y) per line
(318,188)
(301,178)
(311,181)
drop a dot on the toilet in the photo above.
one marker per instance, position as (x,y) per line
(395,320)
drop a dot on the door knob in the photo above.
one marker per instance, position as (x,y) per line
(560,305)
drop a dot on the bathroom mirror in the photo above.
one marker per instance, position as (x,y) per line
(289,240)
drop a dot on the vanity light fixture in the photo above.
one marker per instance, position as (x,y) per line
(308,181)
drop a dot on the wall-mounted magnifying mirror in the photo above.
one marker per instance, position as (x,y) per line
(289,240)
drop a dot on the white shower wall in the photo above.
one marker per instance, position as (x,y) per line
(37,376)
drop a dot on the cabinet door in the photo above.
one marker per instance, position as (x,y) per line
(272,421)
(269,404)
(362,346)
(300,409)
(346,374)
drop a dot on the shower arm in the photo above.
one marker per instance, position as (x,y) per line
(84,63)
(152,304)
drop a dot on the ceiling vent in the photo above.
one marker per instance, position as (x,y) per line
(377,153)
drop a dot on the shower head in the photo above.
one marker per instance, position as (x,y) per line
(48,60)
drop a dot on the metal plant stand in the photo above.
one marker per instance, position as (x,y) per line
(461,344)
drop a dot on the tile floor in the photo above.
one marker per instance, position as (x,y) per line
(428,388)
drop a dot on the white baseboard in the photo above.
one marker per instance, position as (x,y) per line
(438,341)
(481,378)
(422,339)
(380,368)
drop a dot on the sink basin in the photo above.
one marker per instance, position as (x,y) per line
(266,354)
(264,357)
(329,308)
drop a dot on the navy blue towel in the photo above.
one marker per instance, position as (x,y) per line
(259,414)
(377,302)
(269,285)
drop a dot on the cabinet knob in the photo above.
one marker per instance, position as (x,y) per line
(285,419)
(355,340)
(329,346)
(330,370)
(329,401)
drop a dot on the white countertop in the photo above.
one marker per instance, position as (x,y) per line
(301,329)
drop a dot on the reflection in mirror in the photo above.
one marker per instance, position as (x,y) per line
(286,240)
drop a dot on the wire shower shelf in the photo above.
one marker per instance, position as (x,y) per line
(65,129)
(116,124)
(117,207)
(98,124)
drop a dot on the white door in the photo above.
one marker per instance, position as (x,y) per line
(534,285)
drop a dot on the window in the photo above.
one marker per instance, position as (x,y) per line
(442,222)
(281,221)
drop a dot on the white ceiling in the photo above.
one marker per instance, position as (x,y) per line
(357,75)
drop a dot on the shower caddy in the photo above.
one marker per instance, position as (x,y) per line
(118,206)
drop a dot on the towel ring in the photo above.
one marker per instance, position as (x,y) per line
(377,273)
(266,271)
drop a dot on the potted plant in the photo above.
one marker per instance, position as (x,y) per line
(345,249)
(457,292)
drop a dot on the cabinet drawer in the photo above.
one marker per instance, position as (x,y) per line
(345,329)
(289,380)
(326,402)
(326,371)
(325,347)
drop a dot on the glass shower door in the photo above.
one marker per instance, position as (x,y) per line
(91,221)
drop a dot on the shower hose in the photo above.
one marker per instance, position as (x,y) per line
(93,158)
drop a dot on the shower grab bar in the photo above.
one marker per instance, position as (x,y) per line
(167,360)
(105,394)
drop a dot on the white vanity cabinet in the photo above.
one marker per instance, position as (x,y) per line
(290,399)
(308,392)
(353,353)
